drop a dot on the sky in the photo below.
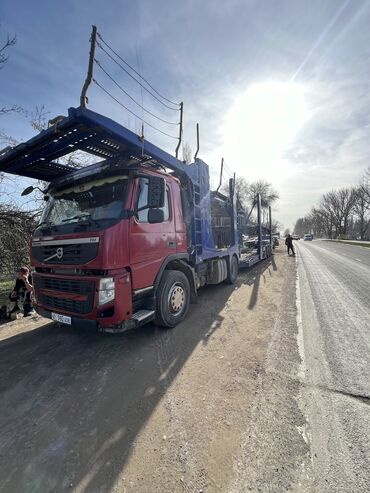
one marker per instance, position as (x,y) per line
(280,88)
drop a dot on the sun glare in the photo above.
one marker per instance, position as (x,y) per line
(262,123)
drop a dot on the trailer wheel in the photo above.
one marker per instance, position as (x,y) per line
(173,298)
(232,270)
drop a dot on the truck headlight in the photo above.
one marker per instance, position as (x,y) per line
(106,290)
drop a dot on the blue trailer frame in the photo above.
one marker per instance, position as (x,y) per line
(88,131)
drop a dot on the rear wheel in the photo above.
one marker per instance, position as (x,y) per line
(232,270)
(173,298)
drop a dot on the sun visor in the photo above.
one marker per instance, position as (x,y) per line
(85,187)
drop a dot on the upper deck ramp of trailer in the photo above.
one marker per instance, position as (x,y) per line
(88,131)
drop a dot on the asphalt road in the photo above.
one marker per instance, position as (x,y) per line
(333,317)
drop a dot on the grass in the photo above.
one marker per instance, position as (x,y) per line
(356,243)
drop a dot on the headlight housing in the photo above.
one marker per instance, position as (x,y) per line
(106,290)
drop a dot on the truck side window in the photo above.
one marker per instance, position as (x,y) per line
(142,200)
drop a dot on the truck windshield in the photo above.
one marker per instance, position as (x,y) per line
(92,202)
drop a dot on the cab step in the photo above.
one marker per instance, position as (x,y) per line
(143,315)
(137,319)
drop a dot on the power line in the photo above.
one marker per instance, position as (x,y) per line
(134,78)
(132,99)
(137,73)
(226,166)
(228,171)
(130,111)
(141,92)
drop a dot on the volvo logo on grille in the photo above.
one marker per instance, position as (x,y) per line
(58,254)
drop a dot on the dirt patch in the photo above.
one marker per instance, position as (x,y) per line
(21,326)
(194,434)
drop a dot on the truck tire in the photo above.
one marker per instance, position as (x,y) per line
(232,270)
(173,297)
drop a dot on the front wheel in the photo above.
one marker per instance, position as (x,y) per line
(173,298)
(232,270)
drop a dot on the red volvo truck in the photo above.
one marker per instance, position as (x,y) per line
(129,239)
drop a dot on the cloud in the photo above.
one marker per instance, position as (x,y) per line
(208,54)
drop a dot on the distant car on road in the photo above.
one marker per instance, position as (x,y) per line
(308,237)
(296,237)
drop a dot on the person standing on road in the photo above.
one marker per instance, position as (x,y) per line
(22,292)
(289,244)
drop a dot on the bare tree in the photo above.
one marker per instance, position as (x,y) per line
(268,194)
(187,153)
(329,212)
(346,198)
(276,226)
(4,55)
(6,45)
(298,227)
(341,213)
(16,230)
(361,210)
(241,190)
(39,118)
(317,223)
(365,186)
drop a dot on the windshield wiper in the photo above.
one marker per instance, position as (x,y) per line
(86,216)
(44,223)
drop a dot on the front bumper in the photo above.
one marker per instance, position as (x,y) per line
(75,322)
(78,296)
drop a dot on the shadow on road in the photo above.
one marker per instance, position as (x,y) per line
(253,278)
(74,402)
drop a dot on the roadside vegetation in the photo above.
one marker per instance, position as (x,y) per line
(5,288)
(340,214)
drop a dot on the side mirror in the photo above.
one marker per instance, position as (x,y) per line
(156,191)
(155,216)
(27,191)
(30,189)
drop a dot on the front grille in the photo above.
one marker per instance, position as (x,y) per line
(70,286)
(76,253)
(66,285)
(65,305)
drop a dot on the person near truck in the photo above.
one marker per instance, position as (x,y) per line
(22,292)
(289,244)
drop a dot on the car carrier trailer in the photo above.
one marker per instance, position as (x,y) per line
(131,238)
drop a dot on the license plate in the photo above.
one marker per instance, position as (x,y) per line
(63,319)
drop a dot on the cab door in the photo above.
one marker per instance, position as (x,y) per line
(150,243)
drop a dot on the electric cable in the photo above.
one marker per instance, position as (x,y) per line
(134,78)
(137,73)
(228,169)
(132,99)
(132,112)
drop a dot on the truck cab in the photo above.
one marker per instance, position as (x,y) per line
(109,231)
